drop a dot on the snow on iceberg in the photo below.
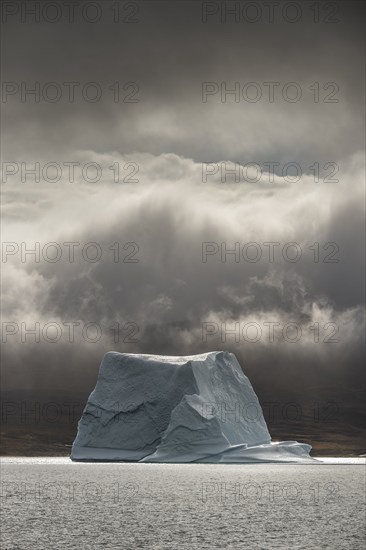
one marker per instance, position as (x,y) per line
(198,408)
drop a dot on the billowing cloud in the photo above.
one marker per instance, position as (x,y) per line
(158,224)
(180,266)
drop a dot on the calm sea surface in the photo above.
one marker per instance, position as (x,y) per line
(57,504)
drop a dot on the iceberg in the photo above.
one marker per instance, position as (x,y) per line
(198,408)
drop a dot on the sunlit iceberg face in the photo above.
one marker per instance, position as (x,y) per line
(199,408)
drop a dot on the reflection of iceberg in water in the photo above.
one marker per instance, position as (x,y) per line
(199,408)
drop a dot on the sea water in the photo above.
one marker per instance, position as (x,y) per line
(52,503)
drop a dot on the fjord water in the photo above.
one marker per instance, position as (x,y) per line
(54,503)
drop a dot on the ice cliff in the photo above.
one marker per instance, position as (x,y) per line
(198,408)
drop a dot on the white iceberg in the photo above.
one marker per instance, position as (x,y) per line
(198,408)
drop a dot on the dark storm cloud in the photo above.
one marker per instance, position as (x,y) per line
(170,293)
(169,53)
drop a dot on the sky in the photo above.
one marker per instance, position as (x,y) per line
(160,143)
